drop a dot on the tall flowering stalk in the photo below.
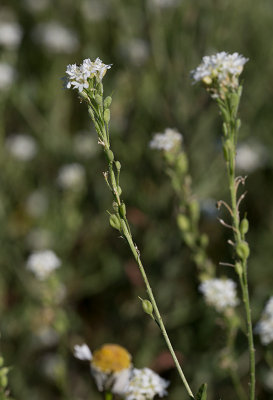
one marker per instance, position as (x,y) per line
(87,79)
(220,76)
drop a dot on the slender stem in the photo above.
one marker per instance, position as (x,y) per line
(157,313)
(108,396)
(237,384)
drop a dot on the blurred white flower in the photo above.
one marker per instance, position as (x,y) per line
(85,144)
(219,293)
(53,366)
(21,146)
(110,366)
(250,156)
(56,37)
(39,239)
(42,263)
(268,379)
(145,384)
(136,50)
(77,76)
(95,10)
(10,34)
(82,352)
(71,176)
(36,5)
(167,140)
(7,76)
(265,326)
(221,69)
(47,336)
(164,3)
(36,203)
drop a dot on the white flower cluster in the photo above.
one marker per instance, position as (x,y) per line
(78,76)
(219,293)
(10,34)
(42,263)
(21,146)
(167,140)
(145,385)
(71,176)
(265,326)
(7,76)
(222,67)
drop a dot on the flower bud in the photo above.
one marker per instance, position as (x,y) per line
(244,226)
(119,190)
(194,209)
(239,268)
(207,80)
(242,249)
(115,206)
(118,165)
(109,155)
(106,116)
(107,102)
(114,222)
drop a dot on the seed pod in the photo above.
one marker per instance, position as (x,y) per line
(107,102)
(183,222)
(244,226)
(194,209)
(106,116)
(147,307)
(122,210)
(119,190)
(239,268)
(118,165)
(115,206)
(114,222)
(98,99)
(109,155)
(242,250)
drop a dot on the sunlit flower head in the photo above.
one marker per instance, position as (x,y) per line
(166,141)
(78,77)
(219,293)
(21,146)
(43,263)
(265,326)
(145,384)
(110,366)
(219,71)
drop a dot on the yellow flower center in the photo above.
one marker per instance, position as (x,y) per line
(111,358)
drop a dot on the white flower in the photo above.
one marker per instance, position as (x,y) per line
(36,203)
(145,384)
(56,37)
(77,76)
(85,145)
(42,263)
(71,176)
(222,67)
(167,140)
(136,50)
(250,156)
(10,34)
(265,326)
(219,293)
(21,146)
(7,75)
(82,352)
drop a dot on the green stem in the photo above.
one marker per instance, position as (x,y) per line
(108,396)
(157,313)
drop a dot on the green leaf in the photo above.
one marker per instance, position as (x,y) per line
(202,392)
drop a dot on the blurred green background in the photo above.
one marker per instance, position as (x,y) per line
(153,45)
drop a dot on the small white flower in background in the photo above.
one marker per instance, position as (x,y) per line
(95,10)
(219,293)
(167,140)
(136,50)
(21,146)
(10,34)
(36,204)
(56,37)
(42,263)
(82,352)
(145,385)
(265,326)
(85,145)
(71,176)
(250,156)
(77,77)
(7,76)
(36,6)
(268,379)
(110,366)
(53,365)
(221,69)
